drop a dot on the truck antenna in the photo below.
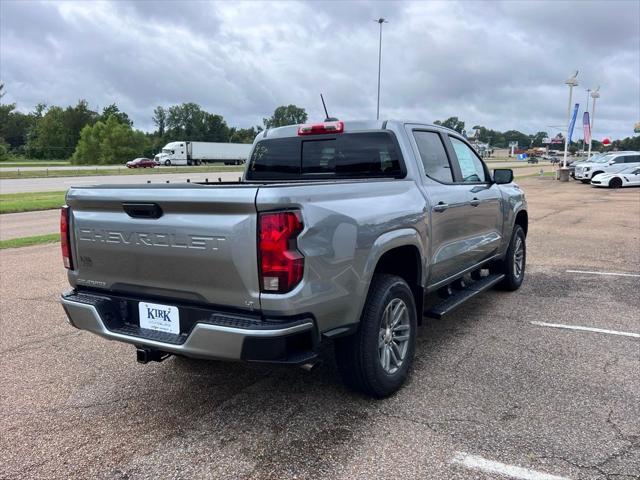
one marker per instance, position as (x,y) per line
(327,117)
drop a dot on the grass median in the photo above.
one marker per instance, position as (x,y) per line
(4,174)
(29,241)
(30,201)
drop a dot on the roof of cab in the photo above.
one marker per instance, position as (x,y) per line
(349,125)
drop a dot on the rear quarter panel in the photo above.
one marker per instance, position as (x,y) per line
(347,227)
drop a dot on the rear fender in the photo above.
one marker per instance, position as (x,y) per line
(385,243)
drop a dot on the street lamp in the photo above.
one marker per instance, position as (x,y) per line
(594,94)
(586,109)
(572,82)
(380,21)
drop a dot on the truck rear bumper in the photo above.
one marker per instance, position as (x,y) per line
(281,341)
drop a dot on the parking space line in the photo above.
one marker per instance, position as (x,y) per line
(475,462)
(586,329)
(615,274)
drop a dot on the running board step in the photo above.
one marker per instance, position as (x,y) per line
(439,310)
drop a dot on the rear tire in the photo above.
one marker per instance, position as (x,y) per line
(376,359)
(514,263)
(615,183)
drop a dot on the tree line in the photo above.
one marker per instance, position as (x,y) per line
(86,136)
(499,139)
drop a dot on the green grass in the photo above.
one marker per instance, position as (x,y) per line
(30,201)
(31,163)
(119,171)
(28,241)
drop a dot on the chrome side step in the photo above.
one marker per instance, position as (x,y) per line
(449,304)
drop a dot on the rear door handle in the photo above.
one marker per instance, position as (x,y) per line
(440,207)
(475,202)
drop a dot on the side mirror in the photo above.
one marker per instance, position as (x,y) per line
(502,176)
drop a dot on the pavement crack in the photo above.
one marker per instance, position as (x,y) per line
(424,423)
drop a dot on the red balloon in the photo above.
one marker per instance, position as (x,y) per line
(606,141)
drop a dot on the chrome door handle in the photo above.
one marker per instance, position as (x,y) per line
(475,202)
(440,207)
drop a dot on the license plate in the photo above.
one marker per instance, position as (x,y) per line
(161,318)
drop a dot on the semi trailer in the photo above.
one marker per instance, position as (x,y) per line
(196,153)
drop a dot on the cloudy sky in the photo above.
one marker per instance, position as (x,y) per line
(502,65)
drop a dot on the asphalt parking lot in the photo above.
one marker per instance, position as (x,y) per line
(490,393)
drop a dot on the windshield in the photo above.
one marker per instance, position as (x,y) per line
(594,157)
(603,159)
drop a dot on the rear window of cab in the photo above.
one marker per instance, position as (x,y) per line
(348,155)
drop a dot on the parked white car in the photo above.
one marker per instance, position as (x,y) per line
(611,163)
(627,177)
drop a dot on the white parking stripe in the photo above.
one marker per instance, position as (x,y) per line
(587,329)
(474,462)
(615,274)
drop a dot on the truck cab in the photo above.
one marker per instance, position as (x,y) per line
(173,153)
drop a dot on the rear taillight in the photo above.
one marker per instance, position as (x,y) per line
(281,264)
(320,128)
(65,236)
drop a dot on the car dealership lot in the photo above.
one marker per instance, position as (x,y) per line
(491,392)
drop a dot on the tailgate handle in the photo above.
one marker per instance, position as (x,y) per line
(142,210)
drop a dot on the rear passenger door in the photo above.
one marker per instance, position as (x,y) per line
(448,202)
(483,213)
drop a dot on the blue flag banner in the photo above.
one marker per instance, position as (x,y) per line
(573,121)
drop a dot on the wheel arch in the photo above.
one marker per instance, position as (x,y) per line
(399,252)
(522,219)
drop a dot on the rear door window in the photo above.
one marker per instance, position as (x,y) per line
(350,155)
(632,159)
(434,156)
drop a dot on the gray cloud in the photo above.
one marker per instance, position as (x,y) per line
(498,64)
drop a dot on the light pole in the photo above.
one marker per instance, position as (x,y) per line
(594,94)
(572,82)
(586,106)
(380,21)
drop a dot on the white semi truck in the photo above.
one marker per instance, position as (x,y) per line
(196,153)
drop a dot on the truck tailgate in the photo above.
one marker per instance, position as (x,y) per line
(191,242)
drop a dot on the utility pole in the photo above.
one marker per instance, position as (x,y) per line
(380,21)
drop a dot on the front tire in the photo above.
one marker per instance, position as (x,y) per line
(167,163)
(515,261)
(615,183)
(376,359)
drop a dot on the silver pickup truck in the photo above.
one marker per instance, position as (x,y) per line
(347,232)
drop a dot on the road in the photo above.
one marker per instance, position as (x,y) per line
(27,224)
(487,382)
(63,183)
